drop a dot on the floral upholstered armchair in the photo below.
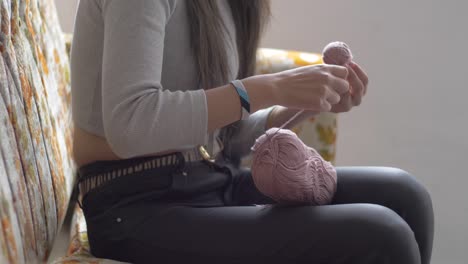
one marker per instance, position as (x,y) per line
(37,173)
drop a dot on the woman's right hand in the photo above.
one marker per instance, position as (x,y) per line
(315,88)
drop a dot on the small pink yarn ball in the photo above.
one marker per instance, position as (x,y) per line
(337,53)
(290,172)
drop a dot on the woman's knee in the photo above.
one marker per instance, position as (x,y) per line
(381,221)
(390,234)
(408,187)
(389,224)
(370,224)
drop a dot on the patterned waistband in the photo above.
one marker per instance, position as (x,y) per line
(98,173)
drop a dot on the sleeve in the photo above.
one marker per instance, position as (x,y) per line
(244,133)
(141,117)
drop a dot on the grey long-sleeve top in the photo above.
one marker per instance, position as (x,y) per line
(134,78)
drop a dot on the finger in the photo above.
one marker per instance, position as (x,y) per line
(356,99)
(341,86)
(361,74)
(355,82)
(357,87)
(338,71)
(345,104)
(365,90)
(332,97)
(325,106)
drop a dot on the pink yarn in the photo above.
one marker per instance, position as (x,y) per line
(337,53)
(289,172)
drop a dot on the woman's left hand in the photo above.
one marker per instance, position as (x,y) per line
(358,82)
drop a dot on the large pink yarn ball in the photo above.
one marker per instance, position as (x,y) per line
(337,53)
(290,172)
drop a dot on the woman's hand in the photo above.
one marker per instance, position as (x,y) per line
(316,88)
(358,82)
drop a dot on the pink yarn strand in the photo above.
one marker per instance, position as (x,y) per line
(289,121)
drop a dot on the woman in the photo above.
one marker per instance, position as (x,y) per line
(151,83)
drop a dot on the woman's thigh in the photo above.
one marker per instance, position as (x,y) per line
(356,233)
(393,188)
(386,186)
(390,187)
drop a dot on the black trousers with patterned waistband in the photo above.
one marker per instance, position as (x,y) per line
(207,214)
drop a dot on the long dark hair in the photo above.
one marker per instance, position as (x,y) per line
(207,32)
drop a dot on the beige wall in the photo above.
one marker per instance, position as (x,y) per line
(67,9)
(414,115)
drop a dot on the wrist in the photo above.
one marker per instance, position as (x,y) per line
(260,90)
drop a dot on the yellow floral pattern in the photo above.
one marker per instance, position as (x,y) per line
(36,168)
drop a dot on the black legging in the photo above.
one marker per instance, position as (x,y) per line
(378,215)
